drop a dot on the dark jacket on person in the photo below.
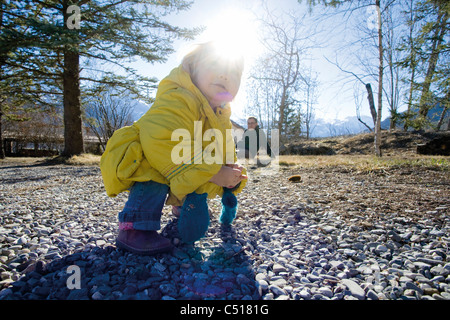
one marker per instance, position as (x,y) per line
(261,140)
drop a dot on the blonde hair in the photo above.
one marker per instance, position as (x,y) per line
(200,52)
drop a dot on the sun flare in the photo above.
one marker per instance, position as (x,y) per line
(235,30)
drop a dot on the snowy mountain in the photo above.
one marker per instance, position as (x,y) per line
(350,125)
(323,128)
(140,108)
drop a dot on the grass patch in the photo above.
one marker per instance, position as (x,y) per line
(366,163)
(85,159)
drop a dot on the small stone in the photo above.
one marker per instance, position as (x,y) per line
(160,267)
(381,248)
(168,289)
(277,268)
(277,290)
(78,294)
(263,285)
(285,254)
(268,296)
(394,236)
(261,276)
(22,240)
(180,254)
(354,288)
(336,264)
(326,292)
(304,294)
(279,282)
(371,295)
(97,296)
(100,242)
(349,252)
(328,229)
(412,286)
(265,236)
(445,295)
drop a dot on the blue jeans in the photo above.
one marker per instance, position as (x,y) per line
(144,206)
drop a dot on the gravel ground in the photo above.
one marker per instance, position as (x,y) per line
(337,234)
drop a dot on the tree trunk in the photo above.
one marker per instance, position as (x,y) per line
(73,133)
(377,140)
(2,61)
(2,151)
(444,111)
(282,113)
(441,119)
(373,112)
(410,97)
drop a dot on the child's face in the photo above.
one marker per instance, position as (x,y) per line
(218,82)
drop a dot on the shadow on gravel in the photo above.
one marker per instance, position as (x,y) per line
(226,273)
(189,272)
(52,172)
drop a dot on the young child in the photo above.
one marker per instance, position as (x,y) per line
(142,159)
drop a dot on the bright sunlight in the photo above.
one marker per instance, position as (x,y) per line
(235,30)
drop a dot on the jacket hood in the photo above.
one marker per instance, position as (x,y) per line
(177,78)
(180,78)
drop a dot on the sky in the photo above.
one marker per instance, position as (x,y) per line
(335,92)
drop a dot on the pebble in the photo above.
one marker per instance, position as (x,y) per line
(289,246)
(354,288)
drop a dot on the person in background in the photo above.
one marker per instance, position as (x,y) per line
(254,140)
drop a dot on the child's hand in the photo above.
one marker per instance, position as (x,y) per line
(229,176)
(235,166)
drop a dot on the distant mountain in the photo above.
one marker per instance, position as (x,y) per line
(140,108)
(434,115)
(322,128)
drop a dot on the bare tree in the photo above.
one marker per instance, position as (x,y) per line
(370,98)
(311,84)
(392,57)
(411,60)
(377,141)
(358,104)
(376,33)
(107,112)
(280,75)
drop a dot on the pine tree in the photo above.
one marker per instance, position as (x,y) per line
(56,39)
(434,32)
(26,74)
(426,58)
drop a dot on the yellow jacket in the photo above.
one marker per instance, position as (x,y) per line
(144,150)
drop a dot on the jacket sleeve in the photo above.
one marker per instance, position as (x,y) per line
(167,136)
